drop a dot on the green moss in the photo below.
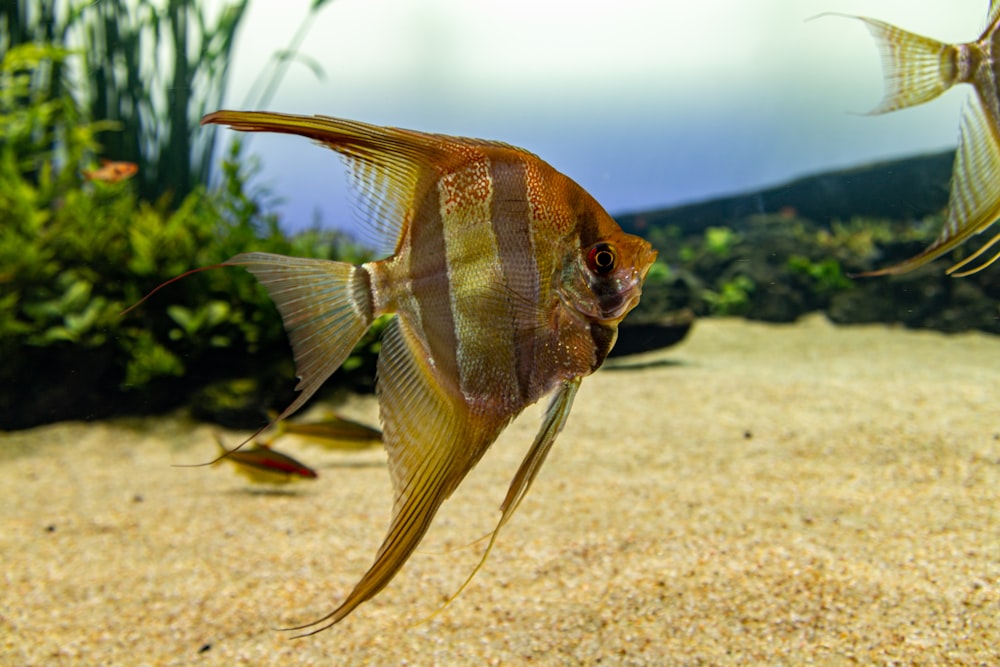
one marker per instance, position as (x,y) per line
(720,240)
(827,275)
(732,297)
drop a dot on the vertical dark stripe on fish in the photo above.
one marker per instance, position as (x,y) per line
(431,286)
(511,217)
(604,338)
(987,84)
(586,223)
(361,291)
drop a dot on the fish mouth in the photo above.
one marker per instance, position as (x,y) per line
(614,307)
(610,301)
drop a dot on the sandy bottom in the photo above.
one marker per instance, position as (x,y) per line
(778,495)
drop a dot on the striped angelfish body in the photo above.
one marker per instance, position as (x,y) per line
(507,280)
(476,276)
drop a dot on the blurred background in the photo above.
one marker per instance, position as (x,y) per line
(731,133)
(646,103)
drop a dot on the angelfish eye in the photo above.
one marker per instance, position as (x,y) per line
(601,259)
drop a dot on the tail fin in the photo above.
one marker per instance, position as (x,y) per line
(916,68)
(326,308)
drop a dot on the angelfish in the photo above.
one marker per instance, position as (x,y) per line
(507,281)
(918,69)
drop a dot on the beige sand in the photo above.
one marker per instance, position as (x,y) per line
(758,495)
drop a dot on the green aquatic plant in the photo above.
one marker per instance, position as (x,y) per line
(659,272)
(720,240)
(153,67)
(732,297)
(826,275)
(859,237)
(74,254)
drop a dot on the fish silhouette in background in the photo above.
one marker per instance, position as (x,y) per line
(507,281)
(917,69)
(112,172)
(332,432)
(263,465)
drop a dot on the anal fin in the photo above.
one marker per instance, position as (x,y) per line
(432,440)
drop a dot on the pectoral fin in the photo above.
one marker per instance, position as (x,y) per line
(552,424)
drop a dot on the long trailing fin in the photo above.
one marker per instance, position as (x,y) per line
(432,440)
(974,201)
(959,270)
(553,422)
(326,308)
(225,452)
(165,284)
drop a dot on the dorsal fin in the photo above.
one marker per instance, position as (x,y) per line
(391,168)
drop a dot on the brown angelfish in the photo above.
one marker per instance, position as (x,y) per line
(918,69)
(507,282)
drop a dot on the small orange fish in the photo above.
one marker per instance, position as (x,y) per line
(265,465)
(112,172)
(917,70)
(507,282)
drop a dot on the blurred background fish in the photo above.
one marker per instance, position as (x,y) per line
(918,69)
(508,282)
(112,172)
(263,465)
(333,432)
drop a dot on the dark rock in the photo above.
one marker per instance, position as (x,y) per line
(637,335)
(907,189)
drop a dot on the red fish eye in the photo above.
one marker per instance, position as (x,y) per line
(601,259)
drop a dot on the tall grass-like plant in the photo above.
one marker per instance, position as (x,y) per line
(158,67)
(281,61)
(153,67)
